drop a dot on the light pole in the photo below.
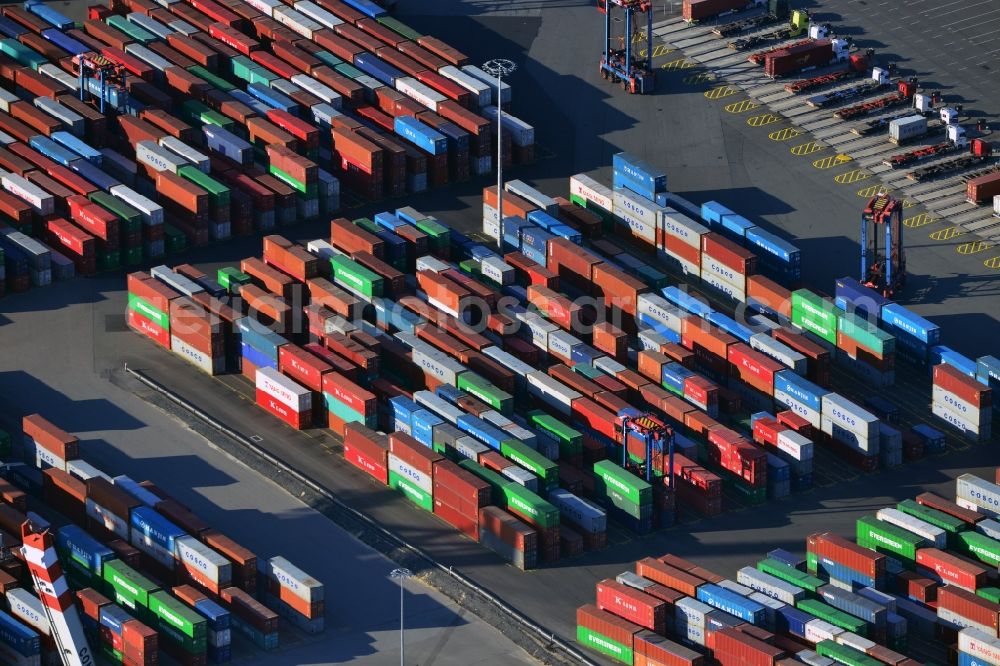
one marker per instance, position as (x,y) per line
(499,67)
(400,575)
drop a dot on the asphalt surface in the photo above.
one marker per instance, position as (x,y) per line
(63,351)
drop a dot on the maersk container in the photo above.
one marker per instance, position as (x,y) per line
(897,317)
(423,136)
(800,390)
(75,543)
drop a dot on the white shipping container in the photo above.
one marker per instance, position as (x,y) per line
(322,249)
(416,90)
(211,365)
(813,659)
(987,526)
(845,436)
(982,493)
(321,90)
(24,189)
(657,307)
(770,585)
(152,212)
(108,520)
(609,366)
(796,445)
(496,269)
(411,474)
(186,152)
(437,365)
(158,158)
(438,406)
(636,207)
(966,504)
(297,21)
(854,641)
(154,60)
(6,99)
(980,644)
(505,89)
(820,630)
(26,606)
(537,328)
(638,228)
(850,416)
(958,421)
(470,447)
(965,410)
(521,477)
(43,458)
(691,612)
(295,580)
(587,188)
(317,13)
(71,119)
(84,470)
(60,75)
(651,340)
(521,133)
(733,586)
(284,390)
(679,225)
(779,351)
(429,263)
(583,513)
(792,403)
(265,7)
(491,223)
(551,392)
(633,580)
(958,621)
(135,490)
(562,343)
(196,556)
(529,193)
(512,363)
(935,535)
(996,205)
(147,545)
(482,91)
(714,279)
(150,24)
(735,279)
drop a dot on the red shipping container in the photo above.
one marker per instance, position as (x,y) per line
(509,529)
(617,629)
(596,417)
(619,289)
(753,367)
(349,393)
(738,456)
(917,587)
(302,366)
(982,189)
(736,648)
(290,258)
(698,332)
(652,649)
(468,525)
(849,554)
(298,420)
(793,421)
(51,437)
(632,605)
(669,576)
(769,293)
(701,391)
(765,431)
(696,10)
(366,462)
(467,486)
(969,605)
(494,461)
(143,325)
(412,452)
(933,501)
(951,569)
(728,253)
(351,238)
(273,280)
(963,386)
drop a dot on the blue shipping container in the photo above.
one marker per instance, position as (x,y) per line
(988,370)
(712,212)
(79,147)
(849,294)
(773,245)
(729,325)
(896,316)
(160,530)
(84,548)
(113,617)
(10,29)
(257,358)
(854,604)
(16,635)
(52,150)
(674,374)
(687,302)
(736,226)
(65,42)
(260,337)
(641,173)
(789,558)
(801,389)
(378,68)
(94,175)
(569,233)
(732,603)
(218,617)
(227,144)
(389,221)
(273,98)
(942,354)
(420,135)
(542,219)
(422,426)
(48,14)
(367,7)
(827,568)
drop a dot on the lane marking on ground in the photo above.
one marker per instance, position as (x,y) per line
(919,220)
(909,203)
(721,91)
(807,148)
(851,177)
(741,106)
(658,51)
(680,63)
(992,262)
(975,247)
(831,161)
(700,77)
(762,119)
(638,37)
(872,190)
(784,134)
(947,233)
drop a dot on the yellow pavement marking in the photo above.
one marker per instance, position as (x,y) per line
(851,177)
(762,119)
(946,234)
(919,220)
(680,63)
(638,37)
(662,50)
(741,106)
(831,161)
(721,91)
(807,148)
(909,203)
(784,134)
(872,190)
(992,262)
(700,77)
(974,247)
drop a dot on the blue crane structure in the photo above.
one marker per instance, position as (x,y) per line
(620,63)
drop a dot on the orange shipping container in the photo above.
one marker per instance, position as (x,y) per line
(290,258)
(351,238)
(273,280)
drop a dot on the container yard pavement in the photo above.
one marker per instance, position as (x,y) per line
(706,152)
(57,360)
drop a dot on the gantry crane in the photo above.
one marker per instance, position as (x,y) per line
(619,62)
(107,73)
(656,436)
(883,268)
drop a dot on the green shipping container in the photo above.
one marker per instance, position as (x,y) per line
(887,538)
(240,67)
(980,547)
(346,414)
(262,75)
(195,112)
(521,454)
(866,333)
(154,314)
(175,239)
(439,234)
(484,389)
(744,491)
(22,53)
(368,225)
(587,370)
(790,575)
(570,440)
(329,59)
(308,190)
(177,615)
(533,508)
(348,70)
(845,654)
(109,261)
(605,214)
(835,617)
(134,31)
(399,28)
(111,654)
(814,314)
(215,81)
(947,522)
(418,496)
(218,194)
(356,277)
(497,482)
(606,646)
(132,256)
(990,594)
(126,214)
(470,266)
(610,476)
(230,278)
(128,586)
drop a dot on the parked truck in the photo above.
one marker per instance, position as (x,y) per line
(879,79)
(699,10)
(983,189)
(980,151)
(817,53)
(798,23)
(777,10)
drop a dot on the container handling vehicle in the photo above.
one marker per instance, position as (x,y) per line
(798,24)
(980,151)
(620,63)
(904,93)
(655,437)
(109,82)
(883,266)
(879,79)
(777,10)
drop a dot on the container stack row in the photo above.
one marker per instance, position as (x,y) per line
(148,573)
(919,579)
